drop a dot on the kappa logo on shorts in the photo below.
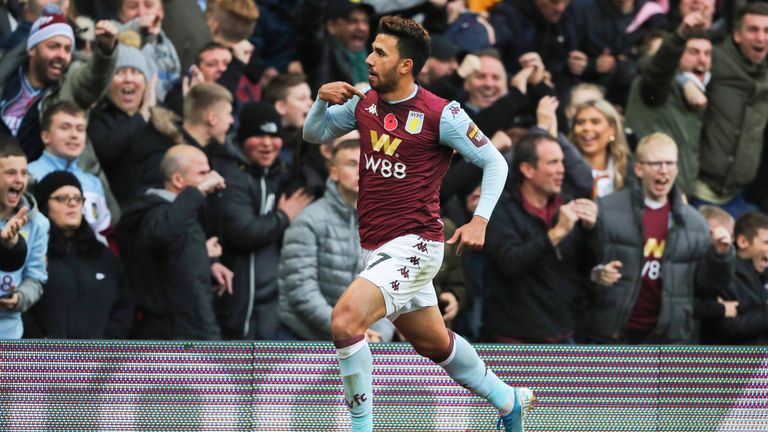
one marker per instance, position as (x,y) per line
(421,247)
(395,285)
(404,272)
(415,261)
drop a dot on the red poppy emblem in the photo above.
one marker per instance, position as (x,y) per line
(390,122)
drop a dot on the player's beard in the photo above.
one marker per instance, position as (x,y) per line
(387,82)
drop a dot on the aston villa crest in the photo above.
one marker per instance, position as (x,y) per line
(414,123)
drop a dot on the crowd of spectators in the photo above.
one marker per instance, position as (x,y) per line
(155,183)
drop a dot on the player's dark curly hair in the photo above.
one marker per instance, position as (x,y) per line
(412,39)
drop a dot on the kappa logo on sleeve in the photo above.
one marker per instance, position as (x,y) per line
(455,110)
(476,136)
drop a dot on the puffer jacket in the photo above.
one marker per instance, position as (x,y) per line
(321,255)
(690,265)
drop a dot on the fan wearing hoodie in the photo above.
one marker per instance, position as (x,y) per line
(22,288)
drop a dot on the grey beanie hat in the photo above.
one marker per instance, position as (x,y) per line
(128,56)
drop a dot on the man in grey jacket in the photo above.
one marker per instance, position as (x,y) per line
(658,254)
(321,254)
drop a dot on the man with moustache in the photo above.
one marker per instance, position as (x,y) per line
(658,254)
(408,136)
(41,75)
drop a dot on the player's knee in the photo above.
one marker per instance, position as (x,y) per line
(435,349)
(345,323)
(430,351)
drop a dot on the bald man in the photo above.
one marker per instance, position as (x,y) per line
(165,254)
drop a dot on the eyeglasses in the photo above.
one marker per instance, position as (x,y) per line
(656,165)
(66,199)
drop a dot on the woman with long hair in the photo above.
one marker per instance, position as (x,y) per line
(598,133)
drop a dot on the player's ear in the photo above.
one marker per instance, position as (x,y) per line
(406,66)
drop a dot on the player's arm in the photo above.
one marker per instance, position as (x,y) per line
(326,122)
(459,132)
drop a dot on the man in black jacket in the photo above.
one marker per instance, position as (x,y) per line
(255,211)
(164,250)
(750,326)
(539,249)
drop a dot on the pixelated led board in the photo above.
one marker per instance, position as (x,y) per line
(177,386)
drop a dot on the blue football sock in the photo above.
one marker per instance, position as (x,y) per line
(469,370)
(356,369)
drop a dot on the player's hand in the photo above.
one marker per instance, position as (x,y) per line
(223,277)
(338,92)
(11,301)
(470,235)
(10,233)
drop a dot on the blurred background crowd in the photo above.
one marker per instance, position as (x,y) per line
(154,182)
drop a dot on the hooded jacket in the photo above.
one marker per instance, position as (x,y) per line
(321,255)
(29,279)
